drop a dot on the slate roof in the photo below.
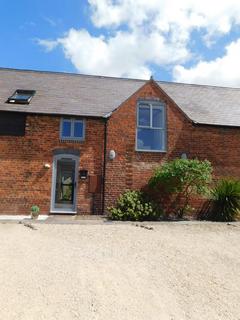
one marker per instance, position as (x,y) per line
(63,93)
(96,96)
(206,104)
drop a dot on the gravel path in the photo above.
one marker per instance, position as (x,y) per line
(173,272)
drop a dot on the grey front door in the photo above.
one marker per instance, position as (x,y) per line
(64,184)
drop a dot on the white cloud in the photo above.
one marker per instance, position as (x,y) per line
(221,71)
(215,16)
(116,56)
(125,54)
(49,45)
(139,35)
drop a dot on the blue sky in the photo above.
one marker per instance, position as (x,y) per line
(198,41)
(22,22)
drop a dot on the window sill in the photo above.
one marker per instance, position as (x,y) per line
(71,140)
(151,151)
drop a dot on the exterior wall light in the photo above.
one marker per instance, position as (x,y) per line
(112,155)
(184,156)
(47,166)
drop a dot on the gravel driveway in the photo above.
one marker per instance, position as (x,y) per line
(175,271)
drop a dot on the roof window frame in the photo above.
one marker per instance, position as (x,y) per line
(14,100)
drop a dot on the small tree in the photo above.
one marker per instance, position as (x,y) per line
(183,178)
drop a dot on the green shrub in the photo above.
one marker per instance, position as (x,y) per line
(225,200)
(182,178)
(133,206)
(35,211)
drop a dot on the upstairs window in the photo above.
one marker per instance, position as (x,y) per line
(21,96)
(72,129)
(151,127)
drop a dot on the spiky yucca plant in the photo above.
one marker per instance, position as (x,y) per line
(226,200)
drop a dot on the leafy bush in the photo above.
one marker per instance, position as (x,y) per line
(133,206)
(226,200)
(183,178)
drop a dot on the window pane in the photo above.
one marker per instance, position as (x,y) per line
(150,139)
(144,115)
(21,96)
(78,129)
(66,128)
(157,118)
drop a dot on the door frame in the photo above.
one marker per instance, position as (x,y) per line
(57,157)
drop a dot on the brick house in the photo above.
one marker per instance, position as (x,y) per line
(72,143)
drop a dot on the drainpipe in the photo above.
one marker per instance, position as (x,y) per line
(104,163)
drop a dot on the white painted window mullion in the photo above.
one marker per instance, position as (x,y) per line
(150,105)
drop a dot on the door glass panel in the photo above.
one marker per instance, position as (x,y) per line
(65,183)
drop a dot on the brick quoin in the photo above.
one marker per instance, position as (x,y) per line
(24,180)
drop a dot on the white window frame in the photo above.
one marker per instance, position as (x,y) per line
(153,105)
(72,122)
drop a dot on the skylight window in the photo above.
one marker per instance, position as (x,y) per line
(21,96)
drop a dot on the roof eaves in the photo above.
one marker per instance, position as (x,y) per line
(60,114)
(231,126)
(107,115)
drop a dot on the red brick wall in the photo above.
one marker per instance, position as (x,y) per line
(23,179)
(131,169)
